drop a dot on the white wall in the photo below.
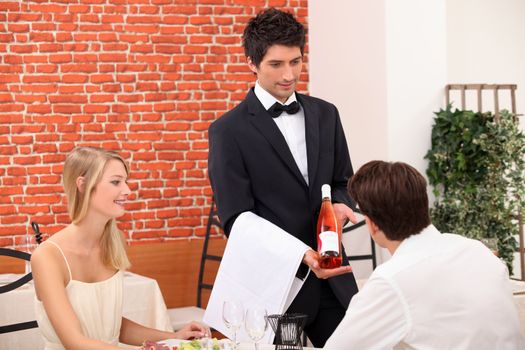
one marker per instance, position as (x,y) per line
(416,76)
(383,64)
(348,68)
(486,45)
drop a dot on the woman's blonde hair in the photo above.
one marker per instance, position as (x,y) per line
(90,162)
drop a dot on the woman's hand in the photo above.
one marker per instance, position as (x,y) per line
(193,330)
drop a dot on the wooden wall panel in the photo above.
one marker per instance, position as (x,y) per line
(175,266)
(11,265)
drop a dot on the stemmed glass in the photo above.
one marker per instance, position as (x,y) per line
(233,316)
(29,247)
(256,324)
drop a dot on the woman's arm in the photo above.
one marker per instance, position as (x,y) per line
(51,276)
(134,334)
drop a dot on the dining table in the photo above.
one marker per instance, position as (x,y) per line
(226,344)
(142,303)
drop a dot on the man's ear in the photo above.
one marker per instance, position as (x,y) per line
(81,184)
(372,227)
(253,66)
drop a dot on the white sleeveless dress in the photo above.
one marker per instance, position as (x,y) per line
(98,307)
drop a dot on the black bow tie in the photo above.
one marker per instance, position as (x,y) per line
(278,108)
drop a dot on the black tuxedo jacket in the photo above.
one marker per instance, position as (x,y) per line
(252,169)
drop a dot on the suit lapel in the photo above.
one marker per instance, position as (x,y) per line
(311,120)
(267,127)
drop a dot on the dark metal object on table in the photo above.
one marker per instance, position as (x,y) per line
(14,285)
(288,330)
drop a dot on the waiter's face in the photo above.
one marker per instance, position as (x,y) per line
(279,70)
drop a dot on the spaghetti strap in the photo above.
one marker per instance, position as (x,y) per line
(64,256)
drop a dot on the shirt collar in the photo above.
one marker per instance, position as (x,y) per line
(412,243)
(267,99)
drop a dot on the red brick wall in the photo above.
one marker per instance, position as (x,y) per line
(143,77)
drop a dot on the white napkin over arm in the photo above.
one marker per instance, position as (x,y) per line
(258,268)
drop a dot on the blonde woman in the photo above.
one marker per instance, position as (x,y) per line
(78,271)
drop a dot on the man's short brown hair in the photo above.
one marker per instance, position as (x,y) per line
(393,196)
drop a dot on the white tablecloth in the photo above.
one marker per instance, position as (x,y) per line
(142,303)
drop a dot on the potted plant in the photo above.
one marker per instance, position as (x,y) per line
(476,168)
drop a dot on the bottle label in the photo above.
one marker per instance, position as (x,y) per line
(329,242)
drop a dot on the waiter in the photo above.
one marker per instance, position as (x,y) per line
(268,159)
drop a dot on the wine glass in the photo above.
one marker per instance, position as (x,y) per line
(233,316)
(256,324)
(29,247)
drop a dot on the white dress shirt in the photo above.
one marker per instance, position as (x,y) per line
(291,126)
(437,292)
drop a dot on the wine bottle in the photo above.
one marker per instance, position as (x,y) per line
(328,233)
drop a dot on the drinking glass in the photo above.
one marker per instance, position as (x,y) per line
(233,316)
(29,247)
(256,324)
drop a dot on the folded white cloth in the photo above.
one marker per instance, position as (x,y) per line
(258,269)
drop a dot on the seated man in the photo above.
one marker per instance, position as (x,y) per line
(438,291)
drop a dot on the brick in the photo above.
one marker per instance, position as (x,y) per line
(22,140)
(71,89)
(143,19)
(78,67)
(60,58)
(100,98)
(142,28)
(129,98)
(120,108)
(27,160)
(6,241)
(67,98)
(15,219)
(12,230)
(18,28)
(115,47)
(38,36)
(75,78)
(46,68)
(41,88)
(84,58)
(9,78)
(101,78)
(113,57)
(6,98)
(11,108)
(66,108)
(96,108)
(64,37)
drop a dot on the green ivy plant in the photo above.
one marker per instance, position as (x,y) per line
(476,167)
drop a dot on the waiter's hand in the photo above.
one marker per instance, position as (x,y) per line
(344,213)
(311,258)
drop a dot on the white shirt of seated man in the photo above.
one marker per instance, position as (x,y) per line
(438,291)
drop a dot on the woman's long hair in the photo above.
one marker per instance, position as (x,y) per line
(89,162)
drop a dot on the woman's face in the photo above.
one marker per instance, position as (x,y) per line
(112,191)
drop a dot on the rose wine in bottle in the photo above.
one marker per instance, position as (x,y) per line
(328,233)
